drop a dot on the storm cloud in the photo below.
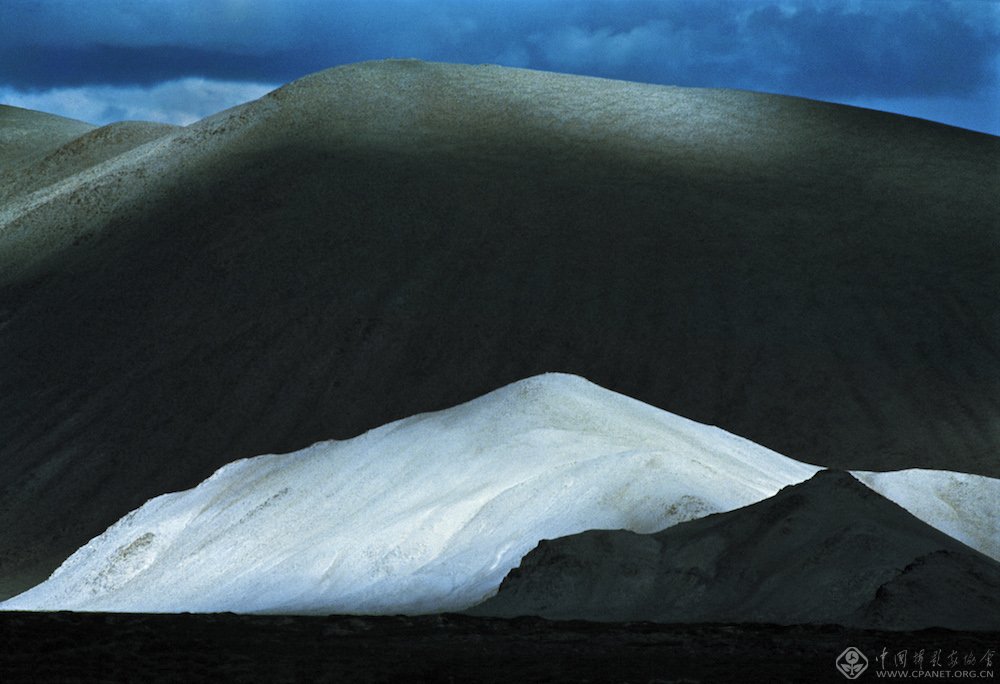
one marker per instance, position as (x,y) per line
(921,54)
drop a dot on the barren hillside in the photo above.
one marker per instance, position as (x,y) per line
(387,238)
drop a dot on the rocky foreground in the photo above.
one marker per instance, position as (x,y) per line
(828,550)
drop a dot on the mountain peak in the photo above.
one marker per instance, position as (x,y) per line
(831,481)
(828,549)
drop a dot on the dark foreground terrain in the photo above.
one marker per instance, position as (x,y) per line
(449,648)
(860,560)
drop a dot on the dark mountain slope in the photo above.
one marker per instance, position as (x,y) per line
(828,550)
(388,238)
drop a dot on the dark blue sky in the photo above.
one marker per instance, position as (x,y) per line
(179,60)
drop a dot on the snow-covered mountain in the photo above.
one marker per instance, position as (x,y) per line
(388,238)
(430,513)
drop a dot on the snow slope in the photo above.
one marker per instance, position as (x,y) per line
(963,506)
(430,513)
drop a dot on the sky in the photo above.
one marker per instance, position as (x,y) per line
(180,60)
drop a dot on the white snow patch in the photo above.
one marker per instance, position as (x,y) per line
(963,506)
(430,513)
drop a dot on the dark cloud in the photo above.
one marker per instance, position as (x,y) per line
(36,67)
(826,49)
(875,49)
(917,50)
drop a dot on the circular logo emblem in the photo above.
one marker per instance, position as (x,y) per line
(851,663)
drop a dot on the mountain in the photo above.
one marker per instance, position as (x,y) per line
(384,239)
(829,550)
(429,513)
(27,135)
(75,158)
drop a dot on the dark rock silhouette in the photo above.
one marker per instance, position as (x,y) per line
(828,550)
